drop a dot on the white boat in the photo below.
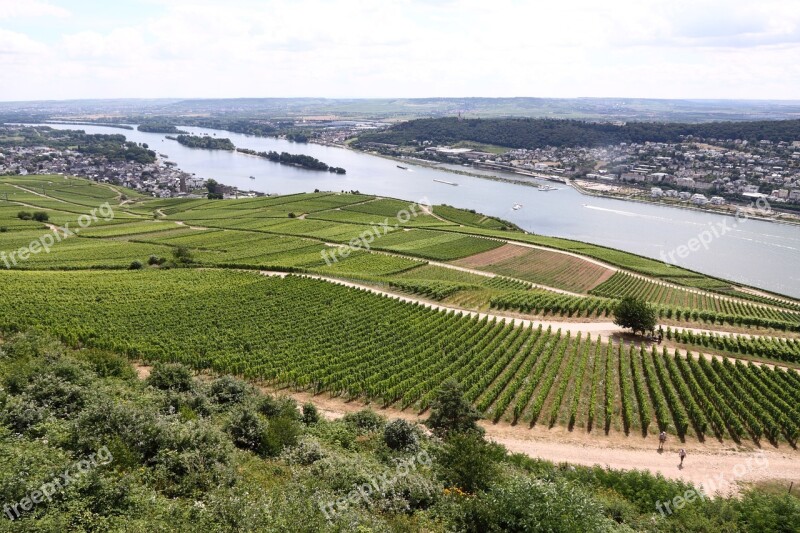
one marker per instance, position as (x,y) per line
(547,188)
(517,207)
(446,182)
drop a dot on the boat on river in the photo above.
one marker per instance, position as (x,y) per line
(547,188)
(402,167)
(446,182)
(517,207)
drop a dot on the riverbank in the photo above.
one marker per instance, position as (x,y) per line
(793,221)
(751,214)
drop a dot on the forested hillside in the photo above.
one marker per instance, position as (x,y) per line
(537,133)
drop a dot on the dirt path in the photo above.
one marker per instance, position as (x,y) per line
(185,225)
(428,210)
(40,194)
(604,329)
(704,462)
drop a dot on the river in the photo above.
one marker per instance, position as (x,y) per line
(762,254)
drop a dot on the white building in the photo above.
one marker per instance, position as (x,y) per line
(699,199)
(656,192)
(717,200)
(780,193)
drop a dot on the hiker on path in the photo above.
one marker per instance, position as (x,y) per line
(682,455)
(662,438)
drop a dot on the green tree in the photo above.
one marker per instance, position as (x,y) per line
(635,314)
(451,413)
(182,255)
(468,462)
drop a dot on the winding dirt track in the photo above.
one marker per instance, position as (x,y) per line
(603,329)
(714,465)
(704,465)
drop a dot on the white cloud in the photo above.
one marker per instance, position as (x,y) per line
(29,8)
(349,48)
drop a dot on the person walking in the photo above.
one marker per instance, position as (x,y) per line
(662,438)
(682,454)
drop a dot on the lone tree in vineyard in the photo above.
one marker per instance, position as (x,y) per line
(452,413)
(635,314)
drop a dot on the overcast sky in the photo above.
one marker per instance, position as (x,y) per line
(61,49)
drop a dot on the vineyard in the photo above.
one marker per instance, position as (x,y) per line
(322,337)
(536,301)
(544,267)
(771,348)
(710,307)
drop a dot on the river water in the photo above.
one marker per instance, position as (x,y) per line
(757,253)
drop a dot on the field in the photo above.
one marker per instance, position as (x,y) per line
(540,266)
(360,345)
(622,284)
(320,337)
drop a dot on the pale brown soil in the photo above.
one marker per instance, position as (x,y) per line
(540,265)
(705,461)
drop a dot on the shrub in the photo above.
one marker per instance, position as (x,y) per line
(56,394)
(108,364)
(524,504)
(21,414)
(283,407)
(409,493)
(228,389)
(41,216)
(189,405)
(155,260)
(401,435)
(281,433)
(182,255)
(192,458)
(306,452)
(248,430)
(468,462)
(365,421)
(336,433)
(33,343)
(135,265)
(24,215)
(171,376)
(3,229)
(310,414)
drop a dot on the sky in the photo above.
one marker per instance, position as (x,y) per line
(734,49)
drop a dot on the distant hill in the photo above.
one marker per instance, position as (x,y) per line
(601,109)
(537,133)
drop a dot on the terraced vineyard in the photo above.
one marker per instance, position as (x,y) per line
(359,345)
(767,348)
(673,298)
(544,267)
(322,337)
